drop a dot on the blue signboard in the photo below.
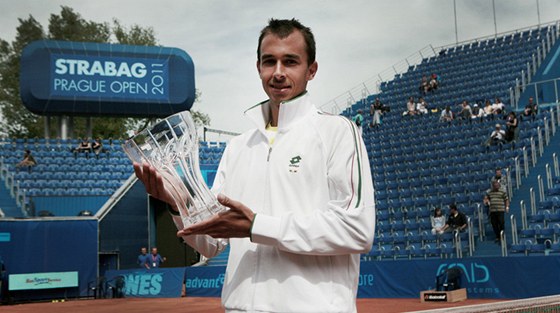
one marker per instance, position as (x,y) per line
(152,283)
(43,280)
(95,79)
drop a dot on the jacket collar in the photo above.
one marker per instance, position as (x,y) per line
(291,111)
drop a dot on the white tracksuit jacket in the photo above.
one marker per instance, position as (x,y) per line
(313,195)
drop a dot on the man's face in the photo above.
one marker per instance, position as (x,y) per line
(283,67)
(498,173)
(154,251)
(143,251)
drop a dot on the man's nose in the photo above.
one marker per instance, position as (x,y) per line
(279,71)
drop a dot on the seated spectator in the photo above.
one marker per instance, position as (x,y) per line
(410,107)
(424,85)
(466,111)
(28,161)
(422,106)
(438,222)
(477,112)
(512,129)
(97,147)
(446,115)
(488,109)
(434,82)
(359,120)
(84,146)
(498,108)
(376,110)
(531,109)
(457,221)
(497,137)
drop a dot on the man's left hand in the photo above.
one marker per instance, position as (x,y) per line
(233,223)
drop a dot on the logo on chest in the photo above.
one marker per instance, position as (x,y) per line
(293,167)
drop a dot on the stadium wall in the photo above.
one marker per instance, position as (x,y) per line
(46,246)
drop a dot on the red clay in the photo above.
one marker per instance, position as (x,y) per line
(209,305)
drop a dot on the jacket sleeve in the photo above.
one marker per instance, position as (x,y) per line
(346,223)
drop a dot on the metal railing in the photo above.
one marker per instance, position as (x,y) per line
(533,202)
(523,214)
(541,188)
(555,162)
(471,236)
(540,140)
(458,245)
(514,238)
(517,172)
(535,88)
(548,176)
(546,132)
(481,229)
(533,154)
(503,243)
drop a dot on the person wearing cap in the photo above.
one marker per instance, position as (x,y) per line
(477,112)
(500,179)
(497,137)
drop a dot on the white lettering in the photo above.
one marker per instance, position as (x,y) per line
(99,68)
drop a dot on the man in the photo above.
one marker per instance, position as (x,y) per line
(500,179)
(299,192)
(446,115)
(143,258)
(154,260)
(497,137)
(457,221)
(376,110)
(498,203)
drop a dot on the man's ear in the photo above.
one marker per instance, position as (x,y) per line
(312,70)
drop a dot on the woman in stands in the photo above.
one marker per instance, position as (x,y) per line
(438,222)
(28,161)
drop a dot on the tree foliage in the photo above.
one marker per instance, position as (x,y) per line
(67,25)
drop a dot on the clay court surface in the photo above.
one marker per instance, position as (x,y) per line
(209,305)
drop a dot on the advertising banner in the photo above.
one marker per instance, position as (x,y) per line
(43,280)
(98,79)
(152,283)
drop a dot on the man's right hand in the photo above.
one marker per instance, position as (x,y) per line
(154,183)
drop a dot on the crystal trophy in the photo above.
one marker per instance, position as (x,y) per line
(171,147)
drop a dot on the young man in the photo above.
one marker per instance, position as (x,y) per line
(143,258)
(299,192)
(456,221)
(498,203)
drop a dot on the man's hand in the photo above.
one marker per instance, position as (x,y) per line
(233,223)
(154,183)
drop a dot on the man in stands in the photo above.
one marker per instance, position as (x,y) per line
(500,179)
(497,137)
(299,191)
(498,203)
(143,258)
(531,109)
(446,115)
(154,260)
(456,221)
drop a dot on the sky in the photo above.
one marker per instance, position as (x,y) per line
(359,42)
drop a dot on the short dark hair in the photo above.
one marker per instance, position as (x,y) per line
(453,206)
(282,29)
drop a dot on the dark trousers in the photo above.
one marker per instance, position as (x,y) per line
(498,222)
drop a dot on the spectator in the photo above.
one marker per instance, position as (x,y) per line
(376,110)
(500,179)
(27,161)
(512,128)
(498,203)
(154,259)
(424,85)
(359,120)
(446,115)
(143,258)
(422,106)
(488,109)
(410,107)
(457,221)
(531,109)
(434,82)
(466,111)
(97,147)
(497,137)
(438,222)
(83,147)
(477,112)
(498,108)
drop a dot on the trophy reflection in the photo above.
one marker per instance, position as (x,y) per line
(171,146)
